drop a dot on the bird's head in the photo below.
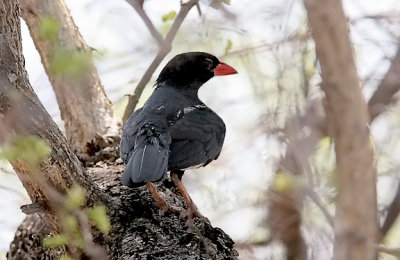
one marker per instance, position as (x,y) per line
(192,69)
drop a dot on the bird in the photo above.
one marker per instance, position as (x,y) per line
(174,130)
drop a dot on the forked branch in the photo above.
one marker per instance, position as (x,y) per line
(164,45)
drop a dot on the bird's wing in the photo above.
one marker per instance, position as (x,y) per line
(197,139)
(145,149)
(129,132)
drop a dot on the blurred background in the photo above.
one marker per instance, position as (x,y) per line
(269,44)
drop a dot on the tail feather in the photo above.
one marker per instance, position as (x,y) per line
(149,161)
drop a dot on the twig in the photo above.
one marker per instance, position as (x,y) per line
(164,49)
(393,213)
(93,250)
(378,16)
(264,45)
(314,197)
(390,251)
(138,6)
(32,208)
(380,100)
(389,86)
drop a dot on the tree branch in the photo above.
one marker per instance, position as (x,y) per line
(164,49)
(138,6)
(347,117)
(390,251)
(389,86)
(392,214)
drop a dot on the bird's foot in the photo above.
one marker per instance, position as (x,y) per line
(165,207)
(192,211)
(160,201)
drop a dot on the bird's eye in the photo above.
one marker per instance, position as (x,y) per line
(208,63)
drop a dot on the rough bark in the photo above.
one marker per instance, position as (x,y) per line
(347,117)
(28,239)
(85,108)
(138,230)
(22,112)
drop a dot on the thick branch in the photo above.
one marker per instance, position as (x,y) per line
(164,49)
(83,104)
(389,86)
(393,213)
(22,113)
(347,114)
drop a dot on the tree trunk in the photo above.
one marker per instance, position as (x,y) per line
(85,108)
(138,230)
(347,117)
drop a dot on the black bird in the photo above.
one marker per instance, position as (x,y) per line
(174,130)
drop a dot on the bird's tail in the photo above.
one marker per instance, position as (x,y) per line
(149,161)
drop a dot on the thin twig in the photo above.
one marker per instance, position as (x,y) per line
(95,251)
(138,6)
(164,49)
(266,45)
(393,213)
(314,197)
(389,86)
(390,251)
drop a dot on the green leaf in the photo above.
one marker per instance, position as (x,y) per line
(324,143)
(217,3)
(30,149)
(65,257)
(164,28)
(76,197)
(228,47)
(168,17)
(71,224)
(71,63)
(48,28)
(53,241)
(283,182)
(73,230)
(99,216)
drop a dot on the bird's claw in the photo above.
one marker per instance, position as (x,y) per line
(192,211)
(164,208)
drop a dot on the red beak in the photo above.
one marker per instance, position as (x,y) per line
(224,69)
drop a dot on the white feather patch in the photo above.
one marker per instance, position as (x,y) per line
(192,108)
